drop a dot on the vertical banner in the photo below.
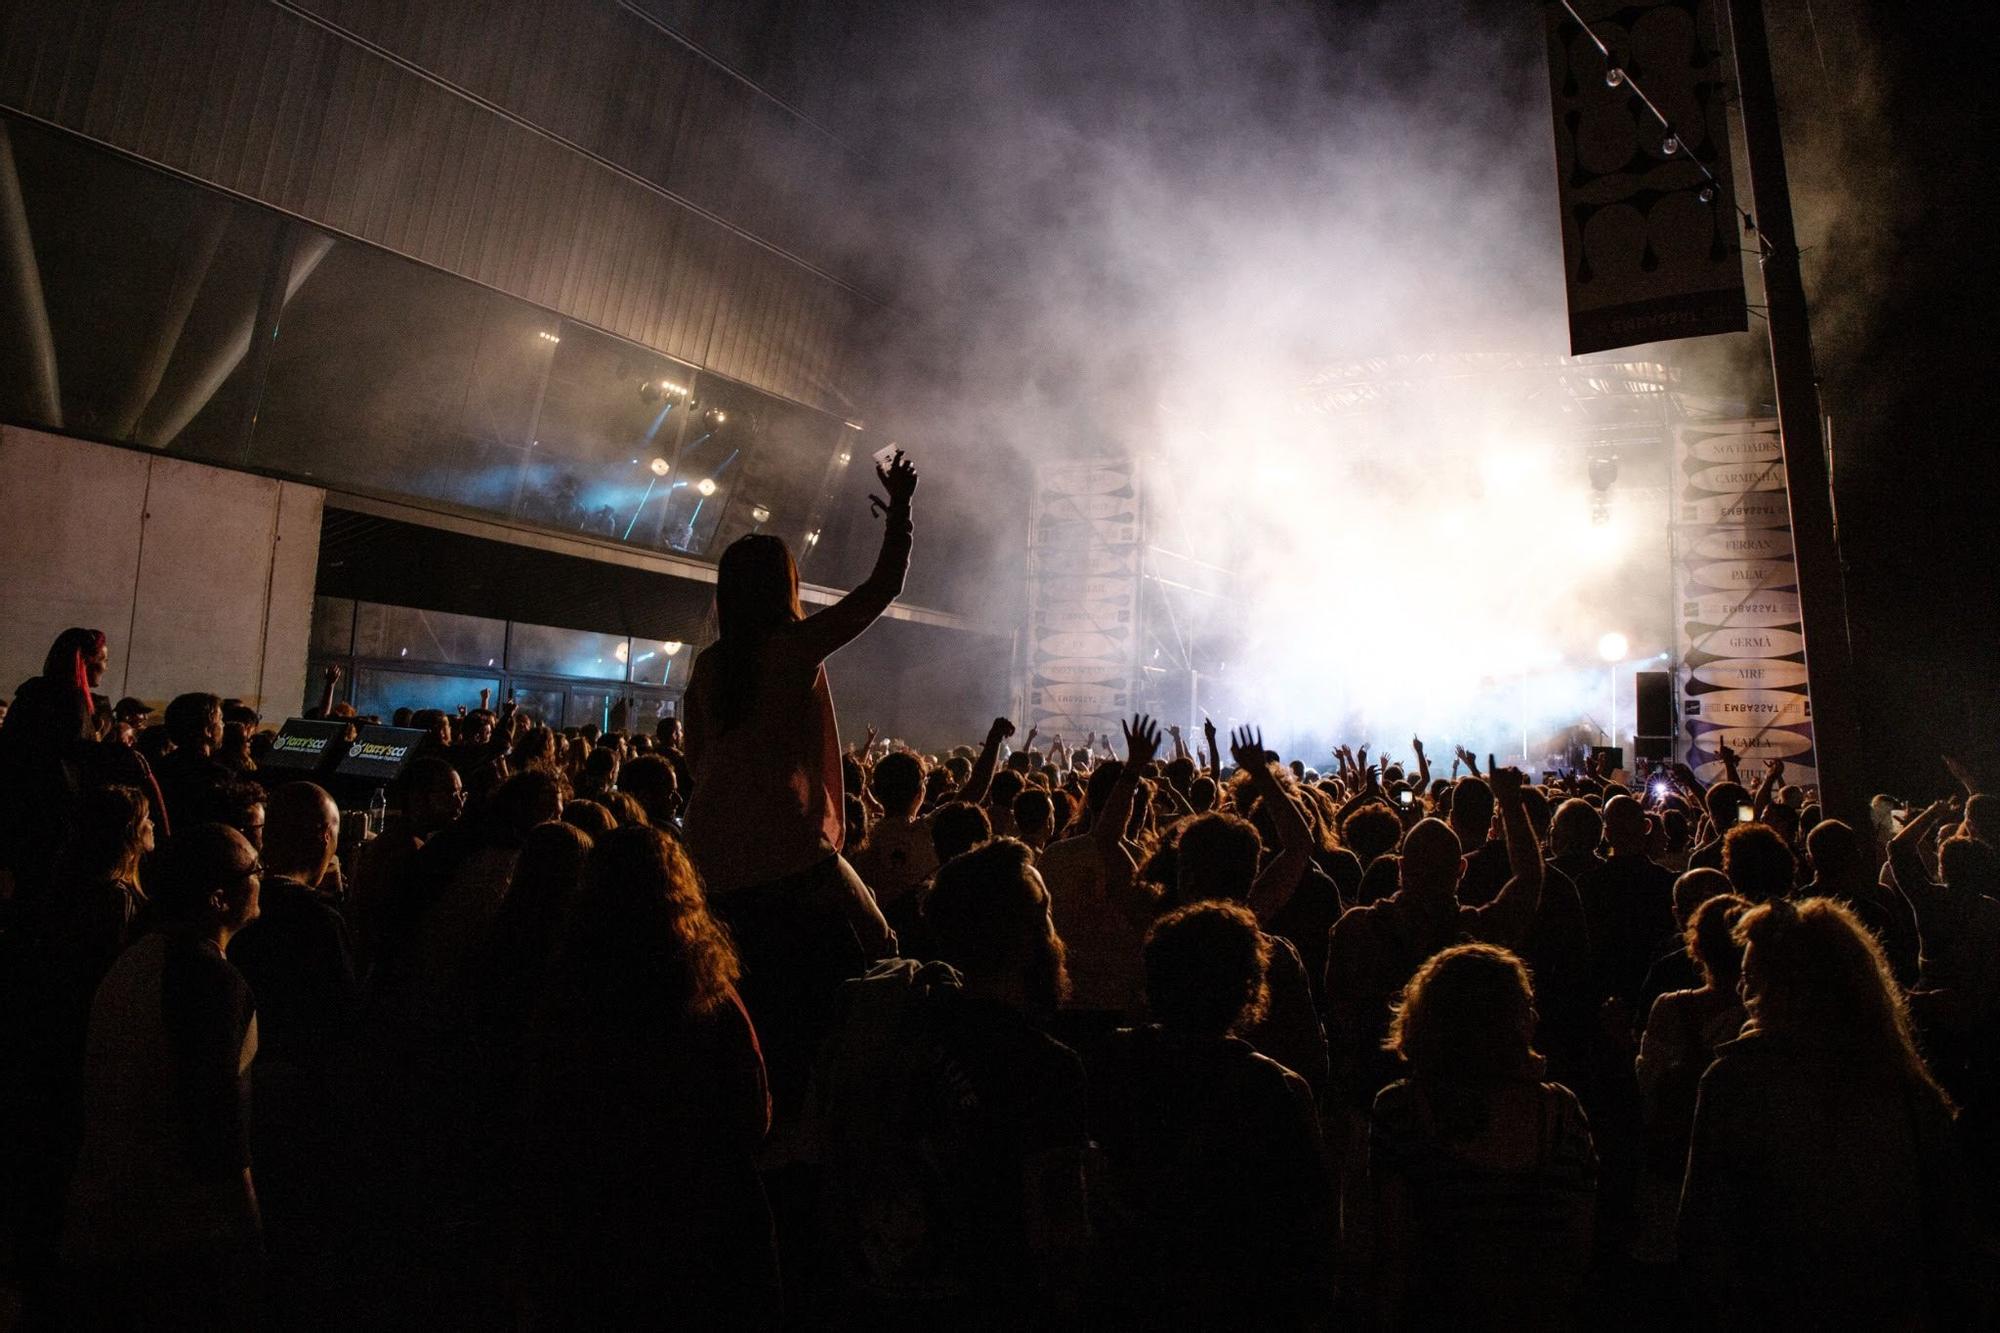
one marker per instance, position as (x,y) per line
(1741,644)
(1650,243)
(1083,597)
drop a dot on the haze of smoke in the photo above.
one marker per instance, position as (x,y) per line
(1145,229)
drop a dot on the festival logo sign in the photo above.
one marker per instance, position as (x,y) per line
(1743,674)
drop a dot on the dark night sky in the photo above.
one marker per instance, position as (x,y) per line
(1911,389)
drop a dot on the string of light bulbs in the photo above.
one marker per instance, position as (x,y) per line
(1617,76)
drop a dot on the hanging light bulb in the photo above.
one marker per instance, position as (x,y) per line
(1613,77)
(1671,146)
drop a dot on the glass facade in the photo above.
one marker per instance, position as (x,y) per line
(176,318)
(399,657)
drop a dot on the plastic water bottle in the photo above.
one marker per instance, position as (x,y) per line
(378,811)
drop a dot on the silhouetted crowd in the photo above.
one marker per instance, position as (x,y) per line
(731,1026)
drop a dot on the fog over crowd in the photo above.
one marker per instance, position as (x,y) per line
(1174,240)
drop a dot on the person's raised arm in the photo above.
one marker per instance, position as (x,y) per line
(1180,745)
(1767,790)
(1142,742)
(1689,784)
(1214,750)
(980,780)
(1506,918)
(1730,759)
(330,678)
(825,632)
(1423,765)
(1906,863)
(1277,880)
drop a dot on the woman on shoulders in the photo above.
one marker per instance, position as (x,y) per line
(765,819)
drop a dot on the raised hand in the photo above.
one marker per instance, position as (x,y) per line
(1418,746)
(999,731)
(1142,740)
(332,673)
(1246,747)
(1507,783)
(899,479)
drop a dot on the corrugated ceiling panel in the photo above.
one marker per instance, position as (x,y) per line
(259,100)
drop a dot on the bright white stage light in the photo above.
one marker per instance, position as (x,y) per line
(706,486)
(661,467)
(1613,647)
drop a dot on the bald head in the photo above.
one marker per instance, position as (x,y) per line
(1696,887)
(301,831)
(1625,825)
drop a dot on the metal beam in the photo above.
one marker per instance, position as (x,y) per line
(585,548)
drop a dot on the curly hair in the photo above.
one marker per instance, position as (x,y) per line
(1205,969)
(1758,862)
(1372,830)
(1467,1016)
(641,930)
(1711,939)
(1812,969)
(1217,858)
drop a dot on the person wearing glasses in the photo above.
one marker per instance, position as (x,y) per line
(162,1214)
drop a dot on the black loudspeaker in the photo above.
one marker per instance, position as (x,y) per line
(1654,691)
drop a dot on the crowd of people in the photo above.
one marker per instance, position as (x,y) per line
(734,1026)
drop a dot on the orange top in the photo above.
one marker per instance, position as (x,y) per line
(767,793)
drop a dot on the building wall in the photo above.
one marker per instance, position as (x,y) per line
(201,578)
(574,153)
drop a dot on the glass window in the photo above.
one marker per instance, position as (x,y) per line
(602,456)
(380,691)
(589,708)
(661,663)
(332,627)
(428,636)
(540,704)
(547,650)
(748,463)
(149,291)
(644,711)
(388,375)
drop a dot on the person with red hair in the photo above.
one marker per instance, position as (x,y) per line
(44,744)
